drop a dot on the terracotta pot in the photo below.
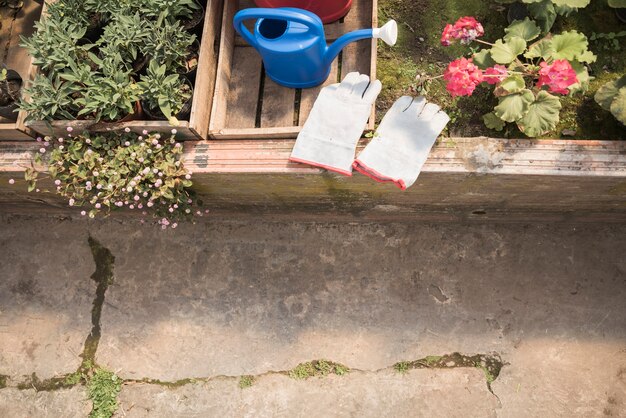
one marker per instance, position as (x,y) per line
(327,10)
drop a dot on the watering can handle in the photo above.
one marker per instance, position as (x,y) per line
(284,13)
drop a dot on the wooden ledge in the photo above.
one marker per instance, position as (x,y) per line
(464,178)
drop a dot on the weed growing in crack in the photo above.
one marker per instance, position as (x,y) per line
(103,387)
(3,381)
(246,381)
(402,366)
(317,368)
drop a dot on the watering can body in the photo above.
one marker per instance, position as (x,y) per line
(327,10)
(292,44)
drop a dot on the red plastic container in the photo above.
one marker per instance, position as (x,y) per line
(327,10)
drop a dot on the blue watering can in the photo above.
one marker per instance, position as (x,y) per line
(293,46)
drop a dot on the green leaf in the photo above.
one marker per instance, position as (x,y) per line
(569,45)
(506,52)
(492,121)
(525,29)
(572,3)
(514,106)
(541,49)
(483,59)
(511,84)
(544,13)
(617,3)
(618,107)
(582,75)
(542,115)
(607,93)
(587,56)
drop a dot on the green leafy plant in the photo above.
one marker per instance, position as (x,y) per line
(99,173)
(103,388)
(246,381)
(123,40)
(110,97)
(544,12)
(608,41)
(48,98)
(169,9)
(528,72)
(165,93)
(54,42)
(169,44)
(612,97)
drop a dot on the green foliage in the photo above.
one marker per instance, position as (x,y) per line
(103,388)
(617,3)
(246,381)
(97,80)
(50,98)
(402,366)
(167,93)
(100,173)
(612,97)
(317,368)
(520,101)
(544,12)
(169,45)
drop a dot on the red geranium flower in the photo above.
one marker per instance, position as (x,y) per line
(558,76)
(462,77)
(495,74)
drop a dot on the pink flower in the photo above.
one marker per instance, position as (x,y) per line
(495,74)
(447,35)
(83,213)
(69,129)
(42,150)
(11,181)
(466,29)
(98,205)
(462,77)
(558,76)
(71,202)
(57,182)
(127,130)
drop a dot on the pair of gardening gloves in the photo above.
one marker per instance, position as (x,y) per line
(399,148)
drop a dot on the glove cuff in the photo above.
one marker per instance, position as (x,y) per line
(331,155)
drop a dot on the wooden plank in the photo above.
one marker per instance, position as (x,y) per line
(243,95)
(18,57)
(207,67)
(277,107)
(58,128)
(310,95)
(224,68)
(259,133)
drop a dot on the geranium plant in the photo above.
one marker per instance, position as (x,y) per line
(544,12)
(612,97)
(528,74)
(99,173)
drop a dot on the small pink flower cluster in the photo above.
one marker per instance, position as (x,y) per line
(558,76)
(462,76)
(466,29)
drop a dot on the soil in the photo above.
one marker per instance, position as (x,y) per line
(194,21)
(9,91)
(419,53)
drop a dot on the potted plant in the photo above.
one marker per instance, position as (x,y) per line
(165,97)
(612,97)
(123,41)
(49,98)
(10,92)
(189,12)
(170,45)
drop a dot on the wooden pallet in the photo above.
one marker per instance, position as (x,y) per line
(249,105)
(17,58)
(198,124)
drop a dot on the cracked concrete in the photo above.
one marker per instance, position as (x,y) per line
(248,297)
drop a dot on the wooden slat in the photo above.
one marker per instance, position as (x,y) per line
(224,68)
(310,95)
(207,67)
(243,94)
(278,105)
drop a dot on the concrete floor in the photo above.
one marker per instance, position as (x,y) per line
(205,304)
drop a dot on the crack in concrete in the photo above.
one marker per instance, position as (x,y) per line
(103,276)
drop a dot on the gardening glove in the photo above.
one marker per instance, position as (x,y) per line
(328,138)
(402,142)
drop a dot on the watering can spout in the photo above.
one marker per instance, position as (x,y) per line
(388,33)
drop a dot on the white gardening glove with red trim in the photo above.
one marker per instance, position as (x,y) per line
(402,142)
(328,138)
